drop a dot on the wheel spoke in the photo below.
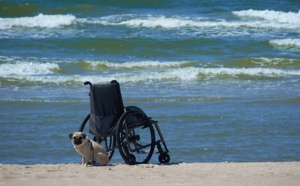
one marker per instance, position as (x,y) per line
(135,138)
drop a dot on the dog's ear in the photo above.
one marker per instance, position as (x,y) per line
(83,135)
(71,135)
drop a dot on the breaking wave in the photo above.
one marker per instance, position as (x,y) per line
(27,68)
(271,16)
(133,65)
(43,70)
(174,22)
(286,43)
(181,74)
(258,19)
(41,20)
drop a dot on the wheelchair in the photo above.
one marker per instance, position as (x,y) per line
(127,129)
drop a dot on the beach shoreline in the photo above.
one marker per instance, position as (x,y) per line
(264,173)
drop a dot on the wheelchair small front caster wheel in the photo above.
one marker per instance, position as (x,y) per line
(164,158)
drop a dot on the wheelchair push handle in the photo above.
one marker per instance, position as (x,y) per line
(87,83)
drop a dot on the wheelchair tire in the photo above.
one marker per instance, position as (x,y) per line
(135,137)
(109,141)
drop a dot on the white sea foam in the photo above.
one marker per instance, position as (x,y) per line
(196,73)
(39,100)
(27,68)
(275,19)
(137,20)
(262,72)
(181,74)
(251,19)
(288,43)
(41,20)
(140,64)
(271,15)
(161,21)
(50,70)
(267,62)
(266,20)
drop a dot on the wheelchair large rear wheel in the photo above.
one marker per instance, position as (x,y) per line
(109,141)
(135,137)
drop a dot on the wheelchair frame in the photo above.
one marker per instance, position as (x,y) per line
(133,134)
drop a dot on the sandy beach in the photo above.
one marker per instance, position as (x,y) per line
(280,173)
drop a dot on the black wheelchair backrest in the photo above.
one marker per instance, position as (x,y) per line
(106,108)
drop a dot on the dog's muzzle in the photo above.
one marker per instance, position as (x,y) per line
(77,141)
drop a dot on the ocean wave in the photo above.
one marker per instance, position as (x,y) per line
(265,62)
(185,99)
(285,21)
(176,99)
(178,74)
(251,19)
(43,66)
(144,70)
(41,21)
(271,15)
(287,43)
(27,68)
(134,65)
(40,100)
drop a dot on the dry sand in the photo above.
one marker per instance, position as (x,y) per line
(287,173)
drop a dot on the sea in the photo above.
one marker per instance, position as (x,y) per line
(222,77)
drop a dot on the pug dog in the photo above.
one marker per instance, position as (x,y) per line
(90,151)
